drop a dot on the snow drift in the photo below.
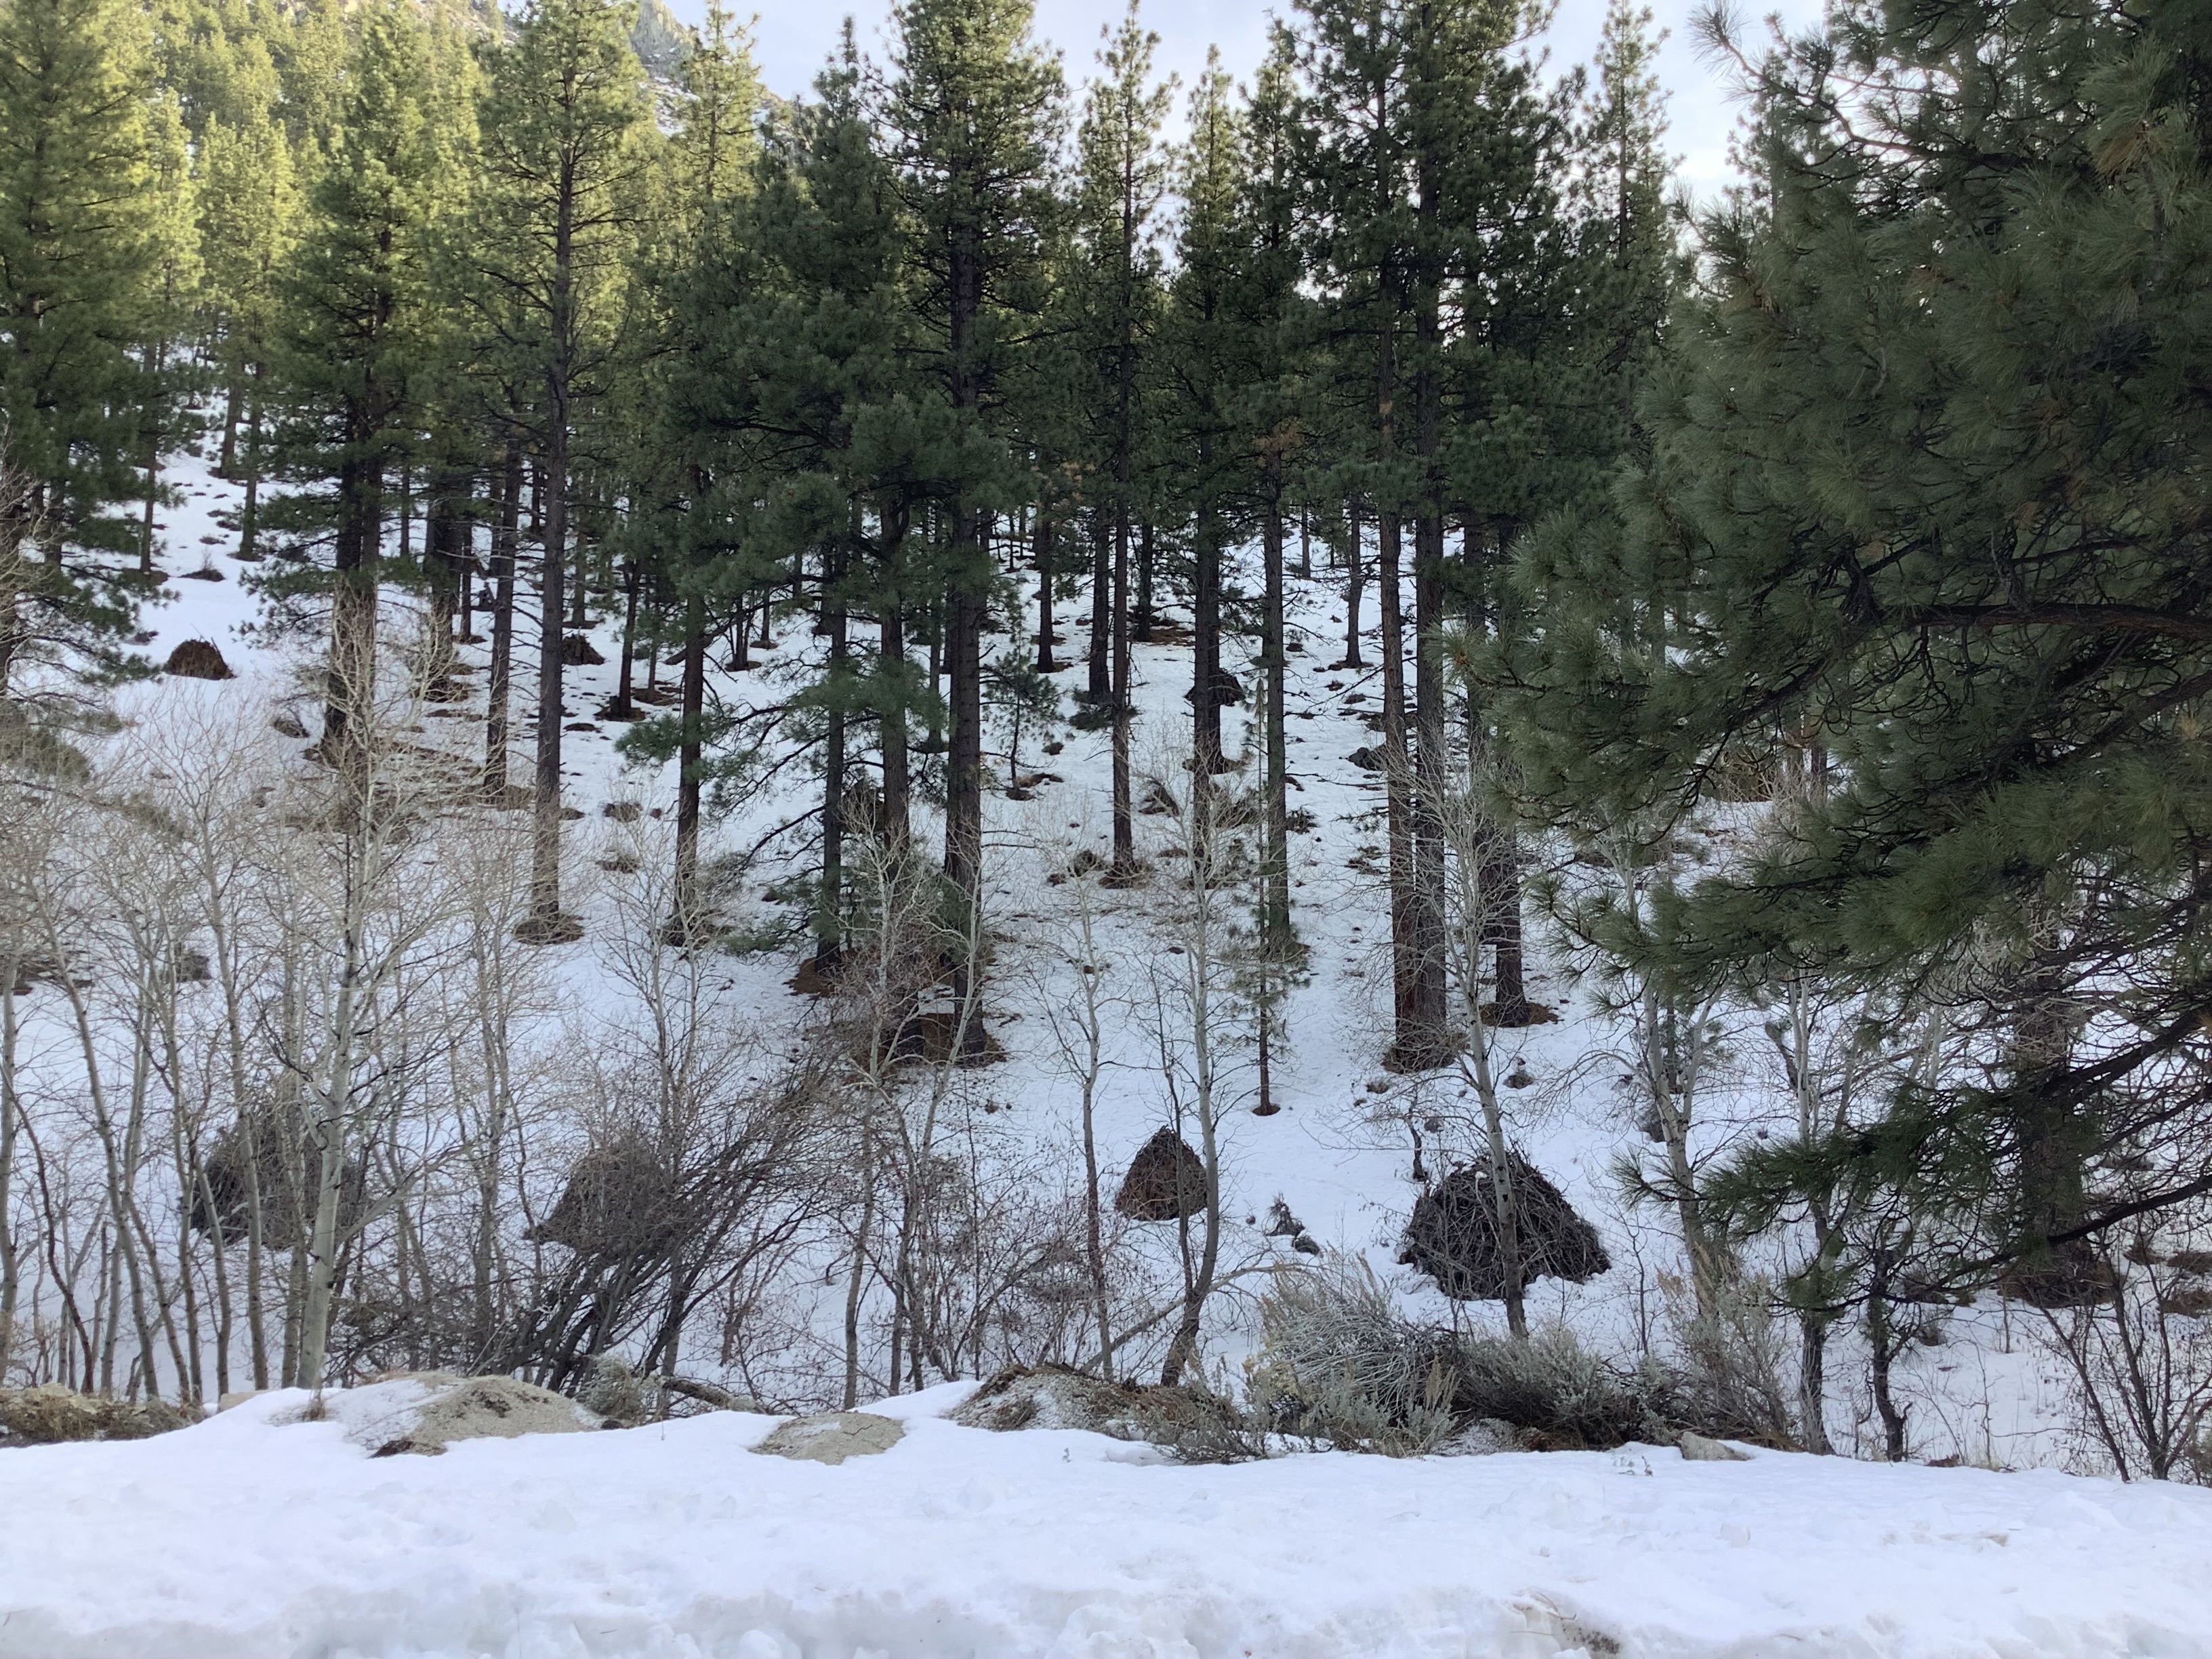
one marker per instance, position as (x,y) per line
(249,1537)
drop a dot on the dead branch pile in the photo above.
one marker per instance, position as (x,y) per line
(1166,1180)
(267,1157)
(1453,1235)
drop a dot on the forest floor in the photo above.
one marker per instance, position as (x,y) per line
(240,1538)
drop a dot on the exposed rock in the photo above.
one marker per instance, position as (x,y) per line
(834,1437)
(485,1409)
(1699,1450)
(1048,1397)
(198,660)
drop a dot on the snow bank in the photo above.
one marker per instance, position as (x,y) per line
(247,1537)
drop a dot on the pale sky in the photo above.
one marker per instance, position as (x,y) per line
(792,39)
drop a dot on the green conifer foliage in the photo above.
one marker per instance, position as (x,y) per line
(569,149)
(1122,175)
(357,324)
(973,108)
(1923,523)
(87,176)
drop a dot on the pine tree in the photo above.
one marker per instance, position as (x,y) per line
(973,107)
(817,444)
(251,212)
(1275,321)
(1416,113)
(710,170)
(1122,177)
(1204,366)
(566,129)
(1921,519)
(83,256)
(356,326)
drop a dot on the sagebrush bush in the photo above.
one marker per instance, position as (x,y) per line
(1339,1362)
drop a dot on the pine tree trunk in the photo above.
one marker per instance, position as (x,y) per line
(963,768)
(1411,1042)
(465,553)
(545,923)
(1044,530)
(684,925)
(1425,920)
(1100,690)
(828,904)
(1206,630)
(249,516)
(234,404)
(1143,630)
(443,572)
(347,715)
(891,739)
(969,596)
(1813,1383)
(1275,904)
(1501,879)
(624,707)
(1355,573)
(1124,866)
(506,551)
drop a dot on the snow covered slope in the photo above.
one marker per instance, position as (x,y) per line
(241,1540)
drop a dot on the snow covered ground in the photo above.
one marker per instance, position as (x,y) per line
(242,1537)
(242,1540)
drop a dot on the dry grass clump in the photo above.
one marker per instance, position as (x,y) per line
(51,1414)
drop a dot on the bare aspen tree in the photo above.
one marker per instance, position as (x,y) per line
(1079,1029)
(1458,810)
(1197,982)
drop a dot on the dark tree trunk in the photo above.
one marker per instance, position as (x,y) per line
(1205,635)
(689,918)
(234,404)
(1427,988)
(347,715)
(1144,619)
(546,923)
(1275,902)
(444,572)
(829,903)
(623,708)
(249,517)
(1044,529)
(891,739)
(1100,689)
(1124,867)
(506,549)
(1355,574)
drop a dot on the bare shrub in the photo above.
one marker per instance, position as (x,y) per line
(1338,1362)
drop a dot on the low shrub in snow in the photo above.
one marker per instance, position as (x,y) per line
(1339,1363)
